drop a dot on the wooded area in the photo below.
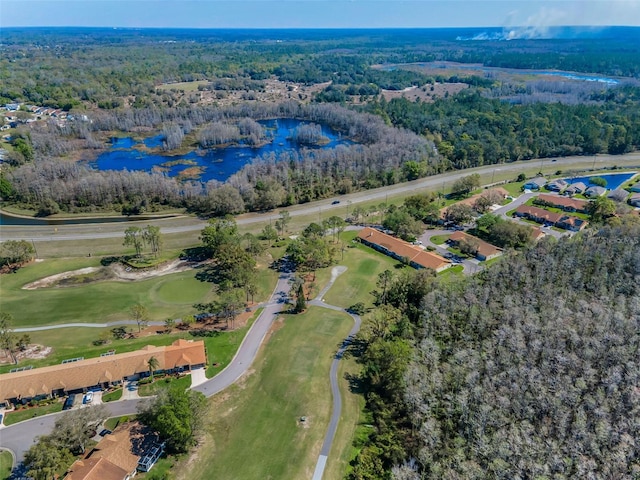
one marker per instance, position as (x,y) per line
(527,370)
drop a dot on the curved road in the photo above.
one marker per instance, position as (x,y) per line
(19,437)
(187,224)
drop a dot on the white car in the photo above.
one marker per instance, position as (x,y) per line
(88,398)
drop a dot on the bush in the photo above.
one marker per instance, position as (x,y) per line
(357,308)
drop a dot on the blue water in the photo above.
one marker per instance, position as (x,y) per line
(218,163)
(614,180)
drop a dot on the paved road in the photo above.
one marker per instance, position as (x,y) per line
(336,410)
(19,437)
(187,224)
(469,265)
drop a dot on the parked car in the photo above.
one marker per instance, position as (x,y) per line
(68,403)
(335,202)
(88,398)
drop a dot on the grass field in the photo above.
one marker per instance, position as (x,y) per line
(6,461)
(256,432)
(28,413)
(363,266)
(112,396)
(184,86)
(166,296)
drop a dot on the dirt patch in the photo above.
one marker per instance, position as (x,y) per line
(116,272)
(52,279)
(426,93)
(32,352)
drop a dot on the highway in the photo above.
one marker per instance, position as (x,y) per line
(185,223)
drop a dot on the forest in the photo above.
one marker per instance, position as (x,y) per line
(527,370)
(112,83)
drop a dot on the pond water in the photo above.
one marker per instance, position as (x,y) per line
(614,180)
(214,163)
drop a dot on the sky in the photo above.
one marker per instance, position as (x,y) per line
(318,13)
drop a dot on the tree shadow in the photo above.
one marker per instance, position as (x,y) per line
(356,385)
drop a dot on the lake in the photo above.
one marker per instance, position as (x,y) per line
(614,180)
(215,163)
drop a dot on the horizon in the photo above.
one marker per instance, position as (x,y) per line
(535,15)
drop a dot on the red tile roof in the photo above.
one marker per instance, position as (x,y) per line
(539,213)
(564,202)
(403,249)
(485,249)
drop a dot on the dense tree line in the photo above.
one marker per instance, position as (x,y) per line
(69,68)
(378,159)
(471,130)
(527,370)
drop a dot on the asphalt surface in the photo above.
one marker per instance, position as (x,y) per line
(187,224)
(19,437)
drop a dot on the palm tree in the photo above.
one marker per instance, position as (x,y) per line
(153,364)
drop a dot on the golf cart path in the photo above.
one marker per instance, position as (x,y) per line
(19,437)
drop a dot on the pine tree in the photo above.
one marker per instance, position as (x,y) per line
(301,304)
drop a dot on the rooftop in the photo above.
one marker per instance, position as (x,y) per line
(403,249)
(483,248)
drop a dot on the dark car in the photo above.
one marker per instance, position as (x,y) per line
(335,202)
(68,403)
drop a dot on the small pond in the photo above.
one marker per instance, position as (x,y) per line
(208,164)
(614,180)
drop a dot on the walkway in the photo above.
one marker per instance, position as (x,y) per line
(19,437)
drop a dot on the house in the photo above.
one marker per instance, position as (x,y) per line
(575,188)
(109,369)
(618,195)
(118,455)
(635,200)
(537,234)
(539,215)
(635,187)
(595,191)
(401,250)
(484,250)
(565,203)
(574,224)
(557,185)
(535,183)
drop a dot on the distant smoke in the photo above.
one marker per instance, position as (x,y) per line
(537,26)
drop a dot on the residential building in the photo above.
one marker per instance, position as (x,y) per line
(401,250)
(635,200)
(557,185)
(103,371)
(539,215)
(575,188)
(595,191)
(118,456)
(618,195)
(535,183)
(565,203)
(574,224)
(484,250)
(635,188)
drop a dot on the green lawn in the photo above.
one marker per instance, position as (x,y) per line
(451,273)
(113,422)
(28,413)
(112,396)
(256,432)
(440,239)
(159,383)
(363,266)
(166,296)
(514,188)
(6,462)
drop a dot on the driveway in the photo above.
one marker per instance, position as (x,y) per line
(470,266)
